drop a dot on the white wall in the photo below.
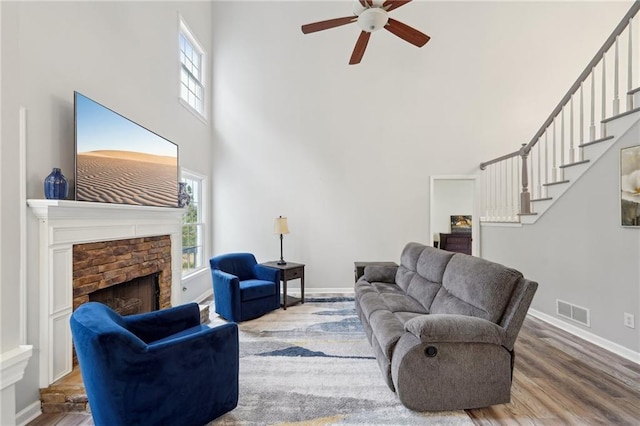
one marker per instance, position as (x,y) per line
(579,253)
(121,54)
(345,152)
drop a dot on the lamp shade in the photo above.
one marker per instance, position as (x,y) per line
(280,226)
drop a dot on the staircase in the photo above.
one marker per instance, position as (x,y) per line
(521,186)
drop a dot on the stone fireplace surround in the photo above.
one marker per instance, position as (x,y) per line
(63,224)
(107,264)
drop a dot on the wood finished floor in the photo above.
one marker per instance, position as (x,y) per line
(559,379)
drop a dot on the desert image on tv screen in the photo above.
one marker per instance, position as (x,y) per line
(118,161)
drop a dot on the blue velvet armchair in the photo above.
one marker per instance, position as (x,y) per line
(242,288)
(157,368)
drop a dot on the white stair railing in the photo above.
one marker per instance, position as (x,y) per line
(514,180)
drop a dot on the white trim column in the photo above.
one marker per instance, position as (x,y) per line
(12,365)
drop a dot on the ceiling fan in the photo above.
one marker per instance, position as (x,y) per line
(372,15)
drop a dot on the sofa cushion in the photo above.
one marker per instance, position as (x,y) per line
(388,330)
(371,302)
(378,273)
(426,264)
(398,302)
(386,288)
(432,263)
(476,287)
(423,291)
(404,276)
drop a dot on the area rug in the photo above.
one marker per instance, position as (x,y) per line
(312,365)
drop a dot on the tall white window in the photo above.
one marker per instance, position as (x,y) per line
(193,224)
(192,60)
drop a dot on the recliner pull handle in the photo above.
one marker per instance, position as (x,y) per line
(430,351)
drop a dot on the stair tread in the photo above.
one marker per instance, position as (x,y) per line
(527,214)
(556,183)
(542,199)
(595,141)
(577,163)
(622,114)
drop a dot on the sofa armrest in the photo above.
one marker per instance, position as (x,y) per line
(152,326)
(455,328)
(380,274)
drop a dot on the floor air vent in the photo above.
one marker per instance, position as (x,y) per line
(573,312)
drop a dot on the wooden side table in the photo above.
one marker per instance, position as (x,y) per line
(358,267)
(289,271)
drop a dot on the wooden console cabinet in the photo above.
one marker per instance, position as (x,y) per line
(458,242)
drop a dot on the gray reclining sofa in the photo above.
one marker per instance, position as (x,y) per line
(443,326)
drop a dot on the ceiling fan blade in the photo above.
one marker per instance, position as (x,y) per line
(389,5)
(358,50)
(366,3)
(407,33)
(325,25)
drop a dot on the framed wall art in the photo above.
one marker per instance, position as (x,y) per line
(460,223)
(630,186)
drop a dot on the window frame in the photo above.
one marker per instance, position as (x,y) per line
(200,224)
(199,81)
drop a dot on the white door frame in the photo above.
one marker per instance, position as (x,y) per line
(475,230)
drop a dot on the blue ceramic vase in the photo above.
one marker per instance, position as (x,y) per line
(56,186)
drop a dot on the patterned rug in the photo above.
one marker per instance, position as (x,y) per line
(312,365)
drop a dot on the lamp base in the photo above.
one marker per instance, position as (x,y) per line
(282,262)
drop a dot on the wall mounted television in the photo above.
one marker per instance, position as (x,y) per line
(119,161)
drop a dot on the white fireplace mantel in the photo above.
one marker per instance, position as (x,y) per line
(62,224)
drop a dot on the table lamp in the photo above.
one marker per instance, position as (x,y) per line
(280,227)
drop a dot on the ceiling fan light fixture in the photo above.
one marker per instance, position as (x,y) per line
(373,19)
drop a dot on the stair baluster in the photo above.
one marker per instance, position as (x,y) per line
(603,126)
(630,67)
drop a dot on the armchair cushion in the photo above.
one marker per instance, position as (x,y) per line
(156,325)
(256,289)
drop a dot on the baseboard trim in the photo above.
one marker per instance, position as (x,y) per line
(29,413)
(203,296)
(589,337)
(311,292)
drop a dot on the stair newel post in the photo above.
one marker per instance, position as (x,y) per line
(525,196)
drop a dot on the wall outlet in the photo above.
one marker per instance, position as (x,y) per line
(629,321)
